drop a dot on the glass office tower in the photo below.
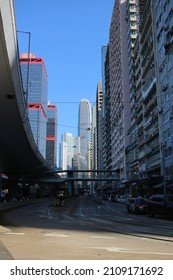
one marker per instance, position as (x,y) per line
(51,137)
(84,127)
(35,82)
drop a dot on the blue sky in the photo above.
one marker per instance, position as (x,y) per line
(68,35)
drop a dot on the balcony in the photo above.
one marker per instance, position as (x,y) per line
(148,150)
(141,142)
(133,36)
(132,2)
(149,108)
(141,154)
(149,88)
(155,164)
(133,18)
(133,27)
(152,135)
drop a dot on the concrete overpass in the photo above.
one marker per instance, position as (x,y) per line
(19,154)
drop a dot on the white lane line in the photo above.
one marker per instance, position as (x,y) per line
(80,214)
(15,233)
(144,229)
(56,235)
(131,251)
(44,216)
(101,221)
(67,217)
(129,219)
(102,237)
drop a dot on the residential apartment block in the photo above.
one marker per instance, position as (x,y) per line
(119,88)
(162,14)
(138,96)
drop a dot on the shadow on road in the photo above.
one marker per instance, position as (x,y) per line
(86,214)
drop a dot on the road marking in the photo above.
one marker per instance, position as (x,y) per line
(119,212)
(44,216)
(79,214)
(15,233)
(56,235)
(102,237)
(101,220)
(131,251)
(68,217)
(121,218)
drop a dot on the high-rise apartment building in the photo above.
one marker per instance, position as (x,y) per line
(138,80)
(51,135)
(150,164)
(132,18)
(162,15)
(119,88)
(99,99)
(134,151)
(94,139)
(143,153)
(35,83)
(106,115)
(153,99)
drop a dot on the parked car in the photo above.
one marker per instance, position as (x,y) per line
(137,205)
(123,198)
(117,198)
(160,204)
(2,196)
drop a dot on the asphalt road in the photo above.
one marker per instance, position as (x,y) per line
(84,229)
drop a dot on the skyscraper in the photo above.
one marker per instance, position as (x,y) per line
(51,137)
(162,15)
(99,99)
(106,114)
(69,148)
(94,139)
(35,83)
(84,127)
(119,88)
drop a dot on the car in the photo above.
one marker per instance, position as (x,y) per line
(160,204)
(123,198)
(3,194)
(117,198)
(137,205)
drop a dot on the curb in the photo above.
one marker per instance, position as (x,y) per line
(16,204)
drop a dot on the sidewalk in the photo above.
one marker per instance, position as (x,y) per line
(5,206)
(4,253)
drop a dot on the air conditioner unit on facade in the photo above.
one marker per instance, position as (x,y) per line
(164,87)
(165,27)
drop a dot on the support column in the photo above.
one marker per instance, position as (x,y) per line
(70,182)
(70,187)
(1,159)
